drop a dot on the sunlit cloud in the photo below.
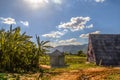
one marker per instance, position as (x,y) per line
(54,34)
(86,35)
(75,24)
(25,23)
(91,1)
(72,41)
(42,3)
(8,20)
(36,3)
(57,1)
(99,1)
(68,40)
(89,26)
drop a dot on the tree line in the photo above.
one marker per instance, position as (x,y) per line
(79,53)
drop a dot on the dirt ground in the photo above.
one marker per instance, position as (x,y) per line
(89,74)
(99,73)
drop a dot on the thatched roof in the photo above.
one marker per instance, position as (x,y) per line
(106,48)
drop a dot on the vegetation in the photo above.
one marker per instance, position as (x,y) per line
(76,69)
(18,53)
(81,53)
(74,62)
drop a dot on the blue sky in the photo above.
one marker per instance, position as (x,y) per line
(62,22)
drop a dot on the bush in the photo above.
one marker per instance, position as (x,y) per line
(80,53)
(17,52)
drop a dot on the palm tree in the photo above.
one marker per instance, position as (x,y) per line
(42,46)
(42,49)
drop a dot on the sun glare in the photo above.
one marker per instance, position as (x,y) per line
(37,3)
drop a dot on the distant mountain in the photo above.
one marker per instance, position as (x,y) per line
(71,48)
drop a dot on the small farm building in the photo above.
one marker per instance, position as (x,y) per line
(57,59)
(104,49)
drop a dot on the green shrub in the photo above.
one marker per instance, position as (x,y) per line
(18,53)
(81,53)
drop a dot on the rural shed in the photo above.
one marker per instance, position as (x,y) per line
(104,49)
(57,59)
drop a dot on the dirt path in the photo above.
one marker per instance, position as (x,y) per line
(72,75)
(89,74)
(86,74)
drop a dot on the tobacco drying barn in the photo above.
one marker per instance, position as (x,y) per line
(104,49)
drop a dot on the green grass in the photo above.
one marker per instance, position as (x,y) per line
(114,76)
(79,63)
(74,63)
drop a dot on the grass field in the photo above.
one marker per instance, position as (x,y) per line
(77,69)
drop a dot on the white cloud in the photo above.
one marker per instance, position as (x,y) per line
(75,24)
(54,34)
(8,20)
(86,35)
(72,41)
(96,32)
(57,1)
(68,40)
(25,23)
(65,30)
(90,26)
(99,1)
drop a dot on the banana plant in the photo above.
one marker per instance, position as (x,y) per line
(42,45)
(17,51)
